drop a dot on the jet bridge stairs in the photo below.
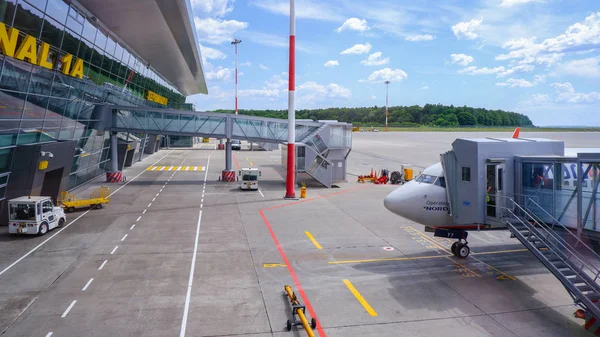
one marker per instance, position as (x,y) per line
(563,254)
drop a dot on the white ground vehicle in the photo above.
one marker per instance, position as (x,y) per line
(249,178)
(34,215)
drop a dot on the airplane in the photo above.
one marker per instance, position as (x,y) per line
(424,200)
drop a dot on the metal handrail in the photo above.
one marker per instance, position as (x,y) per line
(595,271)
(567,230)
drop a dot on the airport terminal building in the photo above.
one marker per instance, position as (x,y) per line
(59,59)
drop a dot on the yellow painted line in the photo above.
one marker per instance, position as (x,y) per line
(149,168)
(178,168)
(170,168)
(502,251)
(313,240)
(195,168)
(463,267)
(360,299)
(272,265)
(162,168)
(154,168)
(390,259)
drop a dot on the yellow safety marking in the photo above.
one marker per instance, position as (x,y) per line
(178,168)
(464,271)
(154,168)
(162,168)
(195,168)
(313,240)
(360,299)
(272,265)
(390,259)
(502,251)
(170,168)
(249,161)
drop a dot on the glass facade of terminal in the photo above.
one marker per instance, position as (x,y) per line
(56,64)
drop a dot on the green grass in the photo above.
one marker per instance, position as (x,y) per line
(481,129)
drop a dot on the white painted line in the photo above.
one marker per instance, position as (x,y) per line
(159,192)
(138,219)
(202,200)
(195,168)
(49,334)
(72,222)
(114,250)
(144,212)
(192,267)
(202,168)
(132,227)
(102,265)
(170,168)
(187,168)
(153,199)
(163,168)
(154,168)
(125,236)
(87,284)
(259,191)
(150,204)
(68,309)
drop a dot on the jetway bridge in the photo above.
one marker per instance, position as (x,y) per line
(322,147)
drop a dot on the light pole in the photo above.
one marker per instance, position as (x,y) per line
(290,192)
(386,104)
(235,42)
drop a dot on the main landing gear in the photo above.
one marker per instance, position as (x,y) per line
(461,247)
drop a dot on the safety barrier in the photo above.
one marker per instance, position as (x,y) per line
(228,176)
(299,310)
(114,177)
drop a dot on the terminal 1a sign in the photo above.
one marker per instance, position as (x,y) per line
(28,51)
(154,97)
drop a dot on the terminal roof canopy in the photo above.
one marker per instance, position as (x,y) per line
(161,32)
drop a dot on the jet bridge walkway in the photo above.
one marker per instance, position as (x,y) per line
(328,142)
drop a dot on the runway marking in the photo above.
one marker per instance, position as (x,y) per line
(153,199)
(49,334)
(87,284)
(68,309)
(114,250)
(313,240)
(390,259)
(138,219)
(144,212)
(272,265)
(150,204)
(102,265)
(259,191)
(360,299)
(124,237)
(72,222)
(193,264)
(501,275)
(202,200)
(132,226)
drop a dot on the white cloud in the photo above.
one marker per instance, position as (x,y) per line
(312,91)
(516,83)
(241,73)
(209,53)
(541,98)
(331,63)
(374,97)
(246,64)
(386,74)
(358,49)
(219,74)
(524,68)
(473,70)
(510,3)
(418,38)
(566,94)
(216,31)
(582,36)
(466,29)
(264,92)
(279,81)
(424,87)
(263,67)
(272,40)
(354,24)
(462,59)
(308,9)
(213,7)
(375,60)
(589,67)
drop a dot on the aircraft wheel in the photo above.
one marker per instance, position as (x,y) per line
(453,248)
(462,250)
(289,325)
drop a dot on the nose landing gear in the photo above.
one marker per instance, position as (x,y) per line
(461,247)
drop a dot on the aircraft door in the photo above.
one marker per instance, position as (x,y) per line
(495,192)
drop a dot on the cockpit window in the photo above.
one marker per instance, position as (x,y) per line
(441,181)
(425,178)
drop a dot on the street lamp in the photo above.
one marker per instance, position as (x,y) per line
(386,104)
(235,42)
(290,192)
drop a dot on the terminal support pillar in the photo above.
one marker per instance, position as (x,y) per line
(143,146)
(228,155)
(114,176)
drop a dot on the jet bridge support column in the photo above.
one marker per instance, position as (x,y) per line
(114,176)
(228,175)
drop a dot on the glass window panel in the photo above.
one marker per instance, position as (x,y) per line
(67,128)
(85,50)
(6,16)
(11,105)
(35,107)
(118,52)
(39,4)
(30,132)
(95,158)
(75,21)
(110,46)
(28,19)
(100,40)
(5,160)
(52,33)
(70,43)
(89,31)
(57,9)
(51,128)
(8,132)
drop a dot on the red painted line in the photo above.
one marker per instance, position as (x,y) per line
(285,259)
(235,161)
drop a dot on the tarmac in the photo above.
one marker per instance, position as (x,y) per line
(178,253)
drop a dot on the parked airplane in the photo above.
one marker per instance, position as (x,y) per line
(424,200)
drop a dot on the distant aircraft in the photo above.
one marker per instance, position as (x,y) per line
(424,200)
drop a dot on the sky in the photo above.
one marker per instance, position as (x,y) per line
(536,57)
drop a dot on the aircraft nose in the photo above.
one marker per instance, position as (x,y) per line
(394,201)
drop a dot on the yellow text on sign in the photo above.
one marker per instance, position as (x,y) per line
(28,51)
(154,97)
(43,165)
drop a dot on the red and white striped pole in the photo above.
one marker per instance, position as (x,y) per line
(236,42)
(386,104)
(291,154)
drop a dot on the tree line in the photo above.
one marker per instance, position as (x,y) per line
(415,115)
